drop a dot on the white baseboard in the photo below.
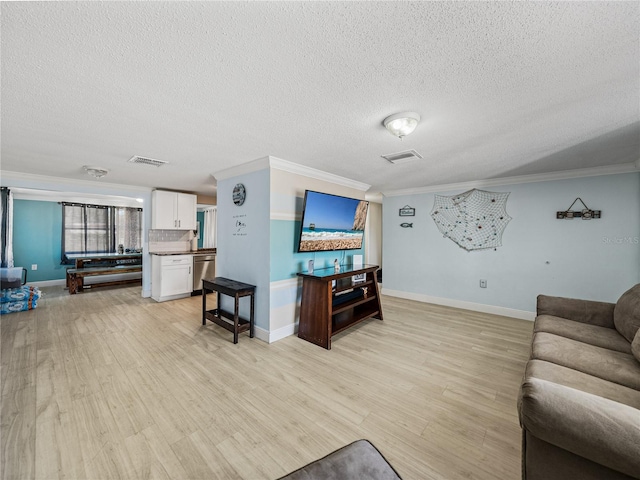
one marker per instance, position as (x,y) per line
(261,334)
(279,334)
(48,283)
(283,332)
(449,302)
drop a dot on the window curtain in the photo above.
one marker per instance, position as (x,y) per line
(210,220)
(6,227)
(128,227)
(96,229)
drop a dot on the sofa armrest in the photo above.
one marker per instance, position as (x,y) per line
(585,311)
(601,430)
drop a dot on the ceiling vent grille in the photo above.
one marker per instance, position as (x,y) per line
(402,157)
(147,161)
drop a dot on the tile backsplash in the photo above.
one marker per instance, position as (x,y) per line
(170,240)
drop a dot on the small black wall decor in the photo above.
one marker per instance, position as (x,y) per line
(407,211)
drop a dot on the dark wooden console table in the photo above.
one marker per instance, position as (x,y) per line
(228,320)
(327,309)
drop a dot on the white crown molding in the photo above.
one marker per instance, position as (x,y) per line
(290,167)
(46,182)
(243,169)
(295,168)
(375,197)
(539,177)
(450,302)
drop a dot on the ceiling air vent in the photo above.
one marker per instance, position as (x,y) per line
(402,157)
(147,161)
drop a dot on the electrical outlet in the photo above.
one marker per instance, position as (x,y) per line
(34,266)
(483,284)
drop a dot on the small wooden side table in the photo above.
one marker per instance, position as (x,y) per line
(228,320)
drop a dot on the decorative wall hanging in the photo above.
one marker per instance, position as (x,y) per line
(474,220)
(407,211)
(585,214)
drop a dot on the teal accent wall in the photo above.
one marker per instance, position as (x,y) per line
(200,218)
(37,239)
(286,261)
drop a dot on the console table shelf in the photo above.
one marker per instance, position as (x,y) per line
(323,313)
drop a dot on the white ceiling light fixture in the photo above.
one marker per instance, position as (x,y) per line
(97,172)
(402,124)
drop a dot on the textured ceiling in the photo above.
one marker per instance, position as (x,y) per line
(503,88)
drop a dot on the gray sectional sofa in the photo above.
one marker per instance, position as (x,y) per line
(579,402)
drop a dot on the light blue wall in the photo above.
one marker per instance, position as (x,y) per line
(243,252)
(596,259)
(37,182)
(286,261)
(37,234)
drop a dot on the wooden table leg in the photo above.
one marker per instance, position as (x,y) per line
(73,286)
(251,320)
(236,313)
(204,306)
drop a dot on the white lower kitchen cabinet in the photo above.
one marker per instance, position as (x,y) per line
(171,277)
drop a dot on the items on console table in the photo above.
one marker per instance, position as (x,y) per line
(228,320)
(327,310)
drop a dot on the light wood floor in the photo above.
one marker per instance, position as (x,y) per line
(107,385)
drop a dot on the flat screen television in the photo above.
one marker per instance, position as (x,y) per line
(331,222)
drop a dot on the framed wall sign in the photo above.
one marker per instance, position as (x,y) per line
(407,211)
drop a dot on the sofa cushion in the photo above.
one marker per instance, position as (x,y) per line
(635,346)
(590,426)
(583,332)
(582,381)
(617,367)
(584,311)
(626,314)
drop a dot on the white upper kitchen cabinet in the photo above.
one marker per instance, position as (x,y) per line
(173,210)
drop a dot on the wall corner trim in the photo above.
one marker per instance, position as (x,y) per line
(450,302)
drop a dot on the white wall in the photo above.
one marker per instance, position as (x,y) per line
(373,235)
(596,259)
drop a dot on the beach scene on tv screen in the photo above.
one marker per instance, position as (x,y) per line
(332,223)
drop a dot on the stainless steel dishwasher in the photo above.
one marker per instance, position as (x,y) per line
(204,266)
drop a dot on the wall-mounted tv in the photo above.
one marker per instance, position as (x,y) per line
(331,222)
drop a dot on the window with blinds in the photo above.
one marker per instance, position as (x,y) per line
(97,229)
